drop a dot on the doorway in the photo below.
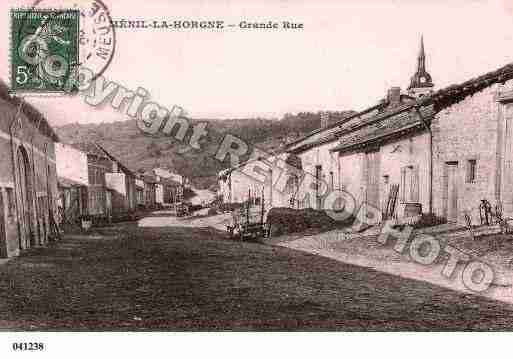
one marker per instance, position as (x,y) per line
(25,199)
(451,204)
(372,169)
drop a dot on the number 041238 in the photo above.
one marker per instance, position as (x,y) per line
(29,346)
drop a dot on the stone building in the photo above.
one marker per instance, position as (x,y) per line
(434,151)
(446,149)
(28,180)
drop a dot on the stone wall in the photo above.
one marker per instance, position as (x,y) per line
(310,159)
(470,130)
(411,151)
(40,180)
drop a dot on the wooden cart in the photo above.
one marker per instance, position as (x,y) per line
(181,209)
(249,221)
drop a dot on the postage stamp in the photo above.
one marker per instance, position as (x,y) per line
(44,49)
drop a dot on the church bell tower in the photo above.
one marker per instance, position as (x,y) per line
(421,83)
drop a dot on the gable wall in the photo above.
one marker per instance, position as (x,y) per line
(468,130)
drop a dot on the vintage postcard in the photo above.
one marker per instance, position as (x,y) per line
(255,166)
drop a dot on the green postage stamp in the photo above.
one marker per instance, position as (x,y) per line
(44,50)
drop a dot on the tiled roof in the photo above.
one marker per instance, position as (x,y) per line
(326,134)
(400,119)
(397,123)
(114,159)
(454,93)
(93,148)
(335,120)
(31,114)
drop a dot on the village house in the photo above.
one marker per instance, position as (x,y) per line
(170,187)
(28,179)
(111,188)
(73,181)
(444,150)
(255,180)
(150,189)
(98,198)
(121,181)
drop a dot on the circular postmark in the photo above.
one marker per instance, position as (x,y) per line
(51,48)
(97,38)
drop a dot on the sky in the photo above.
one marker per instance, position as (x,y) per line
(346,57)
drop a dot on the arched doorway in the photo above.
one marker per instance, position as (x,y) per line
(25,198)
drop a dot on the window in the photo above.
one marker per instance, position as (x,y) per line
(386,179)
(10,201)
(332,181)
(471,171)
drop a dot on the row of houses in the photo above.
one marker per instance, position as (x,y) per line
(94,183)
(442,150)
(44,182)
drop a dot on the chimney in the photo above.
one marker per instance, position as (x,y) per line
(394,96)
(325,117)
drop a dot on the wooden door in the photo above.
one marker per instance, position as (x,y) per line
(372,167)
(452,192)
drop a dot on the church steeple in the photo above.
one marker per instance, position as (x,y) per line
(421,82)
(421,67)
